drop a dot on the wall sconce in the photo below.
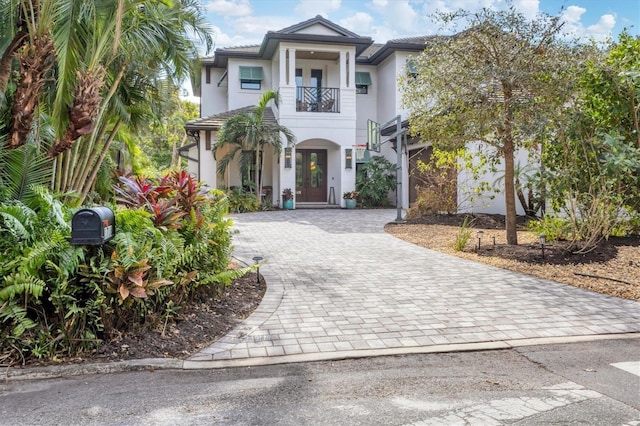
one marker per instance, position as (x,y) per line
(348,158)
(287,158)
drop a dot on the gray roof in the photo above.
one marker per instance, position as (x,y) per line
(214,122)
(318,19)
(293,33)
(413,44)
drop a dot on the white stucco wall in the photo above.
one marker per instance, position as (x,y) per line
(239,98)
(207,165)
(491,202)
(213,98)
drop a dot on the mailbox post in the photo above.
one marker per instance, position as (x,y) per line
(93,226)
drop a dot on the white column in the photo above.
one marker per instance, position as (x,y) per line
(283,67)
(292,66)
(343,70)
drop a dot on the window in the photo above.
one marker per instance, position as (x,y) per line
(251,78)
(412,69)
(250,84)
(363,81)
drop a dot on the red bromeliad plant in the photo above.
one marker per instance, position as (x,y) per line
(189,193)
(168,198)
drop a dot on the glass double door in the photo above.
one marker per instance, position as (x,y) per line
(311,175)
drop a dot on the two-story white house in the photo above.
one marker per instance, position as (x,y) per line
(331,81)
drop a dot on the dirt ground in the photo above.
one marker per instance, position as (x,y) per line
(613,269)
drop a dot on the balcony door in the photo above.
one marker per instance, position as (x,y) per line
(316,83)
(311,175)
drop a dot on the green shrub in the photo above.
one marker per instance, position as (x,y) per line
(374,181)
(554,228)
(57,299)
(241,201)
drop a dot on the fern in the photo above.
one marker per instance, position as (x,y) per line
(11,312)
(225,277)
(10,309)
(18,220)
(50,209)
(43,250)
(18,283)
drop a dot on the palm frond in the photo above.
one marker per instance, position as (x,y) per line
(24,168)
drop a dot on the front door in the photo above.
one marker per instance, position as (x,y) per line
(311,175)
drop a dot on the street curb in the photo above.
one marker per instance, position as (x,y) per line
(152,364)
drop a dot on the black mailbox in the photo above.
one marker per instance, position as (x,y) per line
(96,225)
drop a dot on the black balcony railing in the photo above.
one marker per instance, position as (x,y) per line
(317,99)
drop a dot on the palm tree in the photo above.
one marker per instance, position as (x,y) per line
(249,133)
(100,52)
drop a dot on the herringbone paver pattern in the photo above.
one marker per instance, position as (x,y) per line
(337,282)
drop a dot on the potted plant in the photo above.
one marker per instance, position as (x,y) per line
(350,199)
(287,199)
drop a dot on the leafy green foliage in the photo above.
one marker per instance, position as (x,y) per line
(59,299)
(554,228)
(592,166)
(464,233)
(374,181)
(498,82)
(241,201)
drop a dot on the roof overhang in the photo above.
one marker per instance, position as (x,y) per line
(214,122)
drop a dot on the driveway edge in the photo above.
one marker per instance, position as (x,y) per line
(152,364)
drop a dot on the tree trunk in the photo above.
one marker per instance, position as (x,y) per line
(509,191)
(7,59)
(83,111)
(35,62)
(257,177)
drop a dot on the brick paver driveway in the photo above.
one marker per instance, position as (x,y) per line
(338,286)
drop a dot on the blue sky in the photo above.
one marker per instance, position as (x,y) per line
(244,22)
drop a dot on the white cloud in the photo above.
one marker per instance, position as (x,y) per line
(258,26)
(573,14)
(360,23)
(603,28)
(397,15)
(229,7)
(307,9)
(223,39)
(574,26)
(529,8)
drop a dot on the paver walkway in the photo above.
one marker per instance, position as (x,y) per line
(337,284)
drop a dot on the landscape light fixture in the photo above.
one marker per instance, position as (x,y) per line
(479,233)
(543,241)
(257,260)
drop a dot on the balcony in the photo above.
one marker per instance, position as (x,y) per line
(317,99)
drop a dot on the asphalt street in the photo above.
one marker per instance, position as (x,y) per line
(578,383)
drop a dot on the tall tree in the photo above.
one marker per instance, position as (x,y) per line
(249,133)
(80,60)
(494,83)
